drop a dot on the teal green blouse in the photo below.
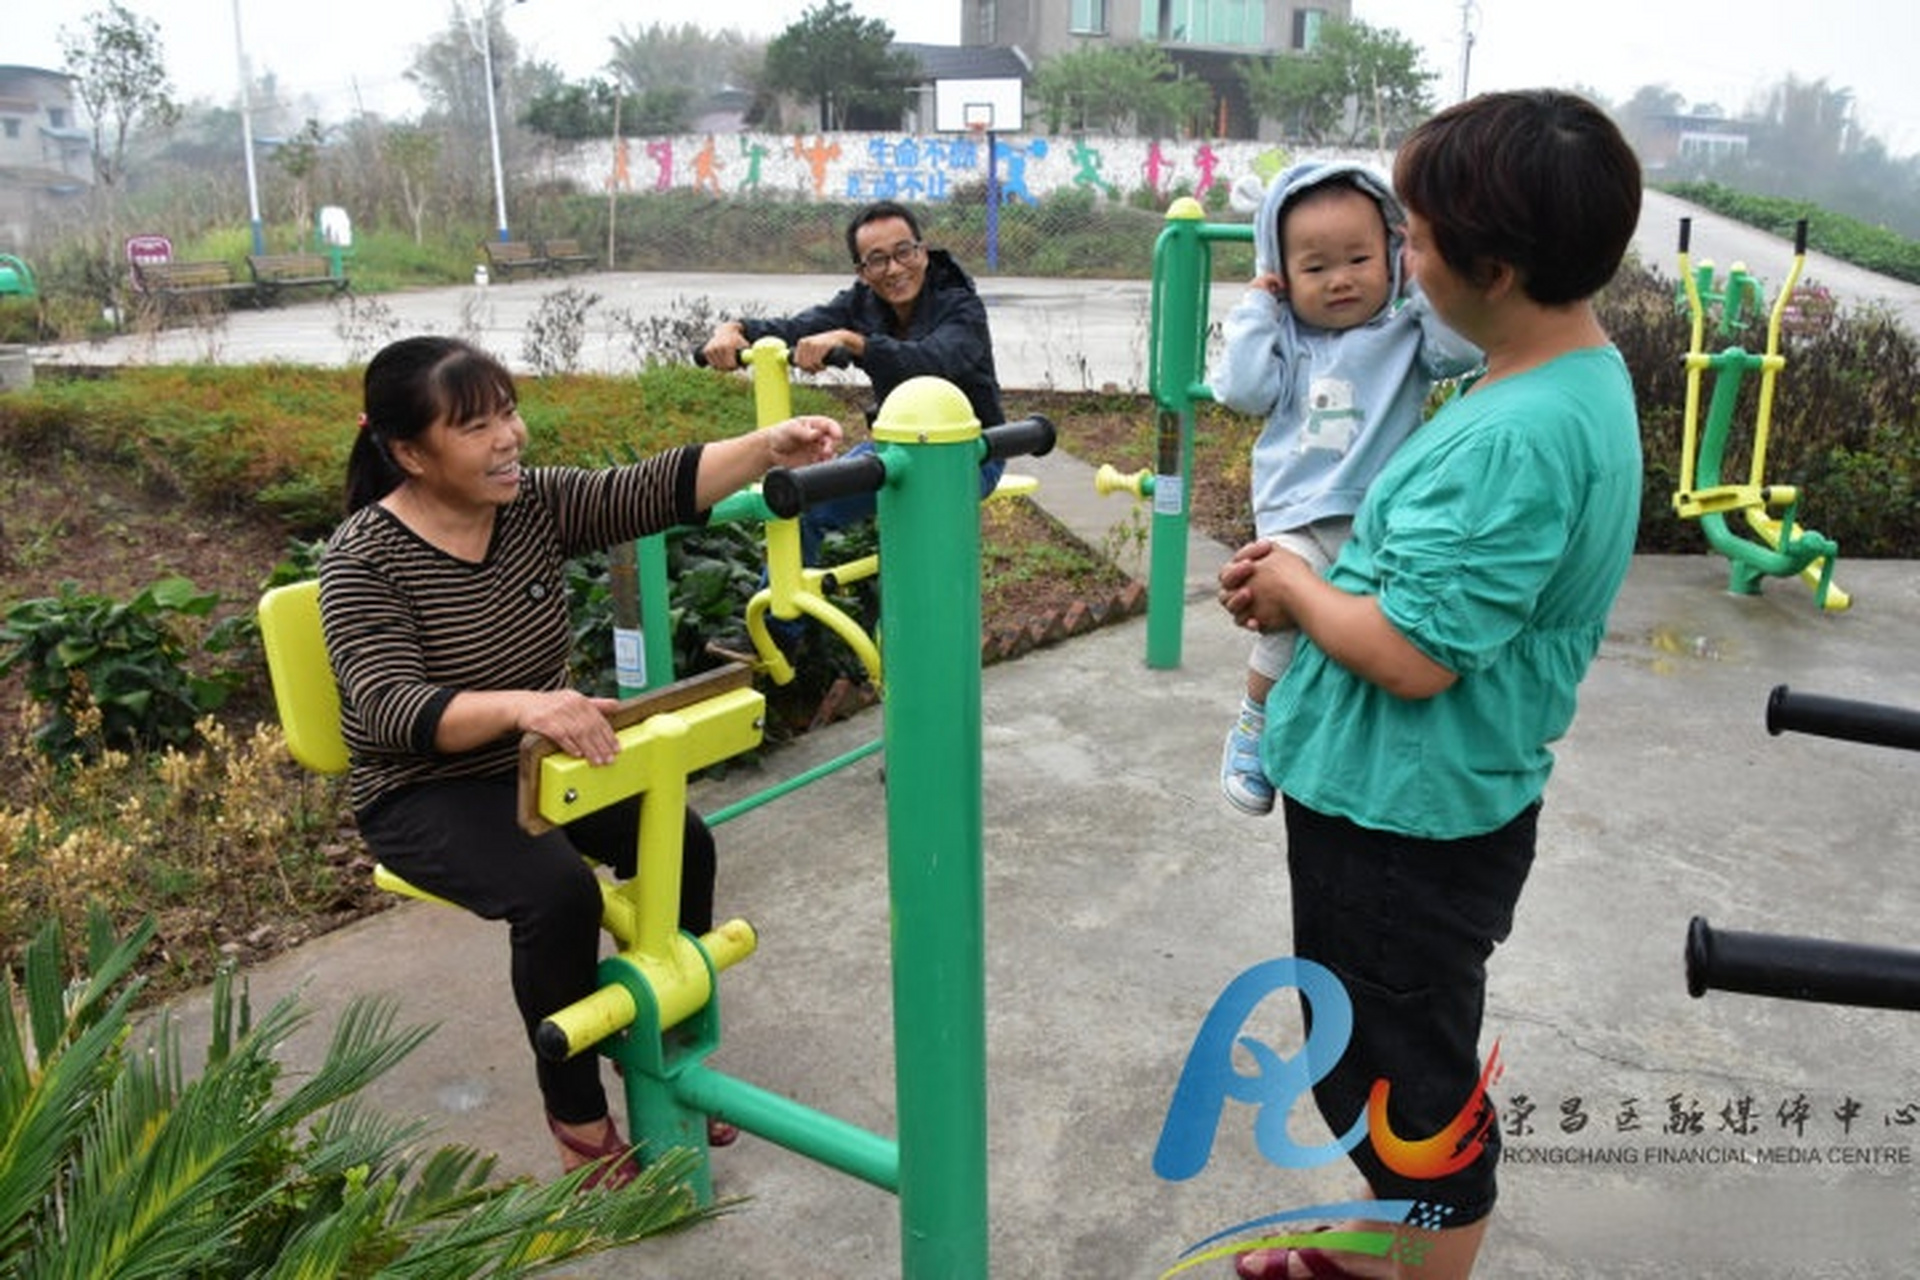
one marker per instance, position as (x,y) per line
(1495,541)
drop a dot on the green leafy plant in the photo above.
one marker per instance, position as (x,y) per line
(115,674)
(115,1163)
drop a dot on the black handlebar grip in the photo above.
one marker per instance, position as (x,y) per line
(838,358)
(1868,722)
(790,490)
(1788,968)
(550,1042)
(1799,237)
(1028,437)
(1686,233)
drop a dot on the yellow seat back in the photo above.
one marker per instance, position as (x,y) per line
(304,692)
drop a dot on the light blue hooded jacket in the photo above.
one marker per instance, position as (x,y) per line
(1337,403)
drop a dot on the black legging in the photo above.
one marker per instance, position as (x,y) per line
(461,841)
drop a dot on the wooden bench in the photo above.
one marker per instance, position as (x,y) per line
(504,257)
(168,283)
(567,255)
(275,273)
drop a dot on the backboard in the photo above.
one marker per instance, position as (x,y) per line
(969,106)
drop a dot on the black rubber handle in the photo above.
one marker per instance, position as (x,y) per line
(790,490)
(1027,438)
(1789,968)
(550,1042)
(1686,233)
(1869,722)
(1799,237)
(838,358)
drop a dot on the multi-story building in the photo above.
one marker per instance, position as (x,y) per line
(1207,38)
(44,153)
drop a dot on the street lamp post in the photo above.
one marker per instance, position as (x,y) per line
(493,122)
(1467,8)
(246,132)
(493,118)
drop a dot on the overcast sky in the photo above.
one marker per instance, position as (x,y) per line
(347,52)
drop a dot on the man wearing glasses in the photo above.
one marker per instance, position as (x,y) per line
(911,311)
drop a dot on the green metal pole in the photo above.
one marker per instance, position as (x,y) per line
(930,602)
(642,615)
(656,610)
(806,778)
(1176,368)
(1179,325)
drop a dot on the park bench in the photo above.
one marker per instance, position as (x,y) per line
(504,257)
(275,273)
(166,284)
(567,255)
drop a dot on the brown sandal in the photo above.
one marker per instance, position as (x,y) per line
(617,1167)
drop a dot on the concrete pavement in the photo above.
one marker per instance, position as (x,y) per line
(1650,1133)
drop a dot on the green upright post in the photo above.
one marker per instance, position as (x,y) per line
(1175,356)
(930,594)
(1176,367)
(642,615)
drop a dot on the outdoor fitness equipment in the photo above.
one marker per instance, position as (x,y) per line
(1780,547)
(657,1014)
(16,278)
(795,589)
(925,471)
(1176,367)
(1790,968)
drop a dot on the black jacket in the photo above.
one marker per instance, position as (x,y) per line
(947,336)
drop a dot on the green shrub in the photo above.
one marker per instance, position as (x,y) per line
(1877,249)
(113,675)
(114,1161)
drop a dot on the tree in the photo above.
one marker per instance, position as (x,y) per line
(451,75)
(576,111)
(120,77)
(1358,82)
(1806,128)
(844,62)
(685,57)
(413,153)
(299,158)
(1131,88)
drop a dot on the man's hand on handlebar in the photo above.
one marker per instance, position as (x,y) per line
(837,347)
(724,347)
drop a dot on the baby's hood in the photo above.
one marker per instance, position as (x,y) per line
(1295,180)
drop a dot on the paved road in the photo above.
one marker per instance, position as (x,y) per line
(1071,335)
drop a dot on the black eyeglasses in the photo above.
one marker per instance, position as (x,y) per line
(903,254)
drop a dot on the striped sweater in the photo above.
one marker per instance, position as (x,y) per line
(409,626)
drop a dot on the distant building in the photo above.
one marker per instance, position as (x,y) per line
(1206,38)
(44,153)
(1693,140)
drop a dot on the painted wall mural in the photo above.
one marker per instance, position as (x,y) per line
(914,167)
